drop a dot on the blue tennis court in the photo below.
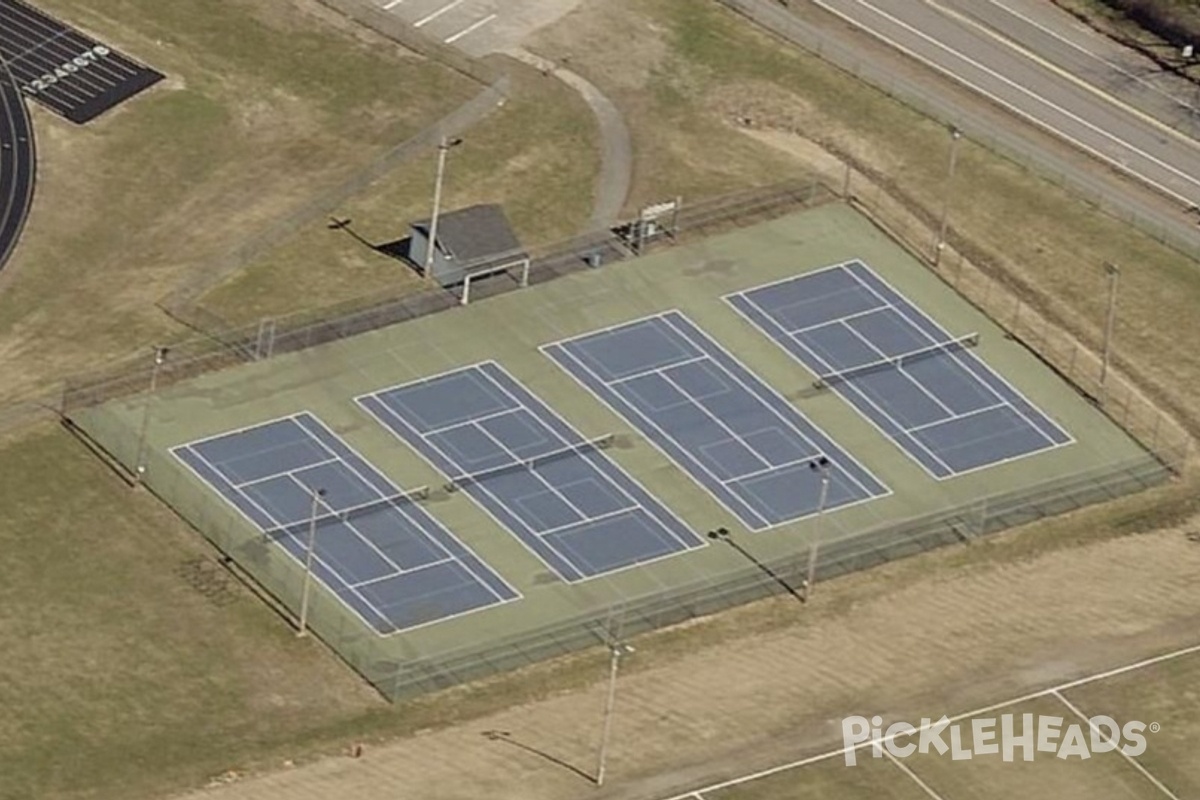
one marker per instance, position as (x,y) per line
(374,548)
(557,492)
(723,426)
(903,371)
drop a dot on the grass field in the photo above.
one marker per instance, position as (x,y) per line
(155,686)
(538,156)
(263,107)
(1156,692)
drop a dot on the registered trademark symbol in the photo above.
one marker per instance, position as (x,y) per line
(1155,727)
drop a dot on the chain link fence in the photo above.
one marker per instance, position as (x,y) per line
(222,345)
(1112,392)
(408,665)
(1011,143)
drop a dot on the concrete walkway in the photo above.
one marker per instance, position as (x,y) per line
(616,145)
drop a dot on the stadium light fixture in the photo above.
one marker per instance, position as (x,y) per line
(820,465)
(1114,274)
(302,628)
(444,147)
(160,358)
(616,650)
(940,245)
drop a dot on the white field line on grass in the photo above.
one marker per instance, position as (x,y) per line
(903,768)
(1132,761)
(1053,691)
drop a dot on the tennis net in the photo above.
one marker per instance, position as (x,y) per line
(530,464)
(352,513)
(897,361)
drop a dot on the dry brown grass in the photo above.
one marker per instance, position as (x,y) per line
(262,109)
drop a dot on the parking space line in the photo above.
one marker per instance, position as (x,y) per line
(448,7)
(470,29)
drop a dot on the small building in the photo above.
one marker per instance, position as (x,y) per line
(471,242)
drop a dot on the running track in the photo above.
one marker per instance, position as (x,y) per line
(17,164)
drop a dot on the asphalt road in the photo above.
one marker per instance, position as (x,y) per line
(1069,44)
(1032,84)
(17,164)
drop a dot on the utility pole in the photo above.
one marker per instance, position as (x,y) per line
(955,137)
(820,465)
(302,629)
(443,148)
(160,357)
(1113,275)
(616,650)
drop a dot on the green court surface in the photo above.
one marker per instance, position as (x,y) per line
(552,616)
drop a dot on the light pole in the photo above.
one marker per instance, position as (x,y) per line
(615,651)
(820,465)
(443,148)
(308,559)
(1113,275)
(160,357)
(955,137)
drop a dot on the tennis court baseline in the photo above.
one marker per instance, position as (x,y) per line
(736,437)
(394,565)
(900,369)
(558,493)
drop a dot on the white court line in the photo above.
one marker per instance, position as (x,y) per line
(1132,761)
(659,370)
(448,7)
(957,417)
(964,359)
(762,390)
(469,29)
(1054,690)
(416,523)
(780,342)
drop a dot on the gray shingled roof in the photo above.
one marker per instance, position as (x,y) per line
(474,233)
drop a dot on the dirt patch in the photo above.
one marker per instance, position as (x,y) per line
(921,642)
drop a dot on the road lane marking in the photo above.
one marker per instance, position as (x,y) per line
(1070,76)
(1111,160)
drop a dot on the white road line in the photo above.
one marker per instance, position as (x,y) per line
(1067,75)
(470,29)
(448,7)
(1052,691)
(1112,161)
(1096,56)
(1132,761)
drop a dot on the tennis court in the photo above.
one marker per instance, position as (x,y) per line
(740,440)
(902,370)
(556,491)
(373,547)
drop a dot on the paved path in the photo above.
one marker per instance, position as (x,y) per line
(616,145)
(17,164)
